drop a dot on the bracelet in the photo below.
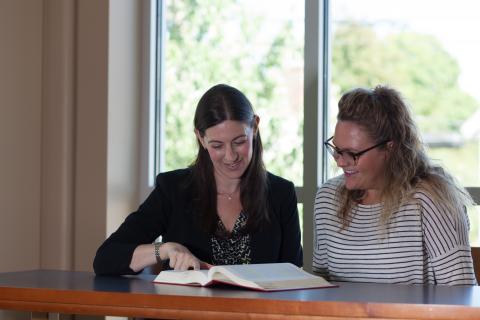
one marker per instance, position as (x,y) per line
(157,251)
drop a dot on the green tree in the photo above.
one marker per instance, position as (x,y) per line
(416,64)
(199,54)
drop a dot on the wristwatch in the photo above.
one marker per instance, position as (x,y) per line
(157,251)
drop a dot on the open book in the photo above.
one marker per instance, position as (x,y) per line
(263,277)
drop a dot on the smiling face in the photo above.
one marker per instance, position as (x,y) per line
(230,147)
(368,173)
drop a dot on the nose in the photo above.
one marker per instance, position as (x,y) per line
(230,154)
(341,161)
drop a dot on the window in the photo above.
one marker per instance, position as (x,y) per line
(295,58)
(262,56)
(431,56)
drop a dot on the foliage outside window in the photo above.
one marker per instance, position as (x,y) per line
(257,46)
(234,42)
(385,46)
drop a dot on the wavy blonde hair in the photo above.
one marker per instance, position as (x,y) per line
(385,115)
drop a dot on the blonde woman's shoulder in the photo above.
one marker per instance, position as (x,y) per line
(422,189)
(331,185)
(335,181)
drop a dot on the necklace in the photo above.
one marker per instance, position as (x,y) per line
(229,196)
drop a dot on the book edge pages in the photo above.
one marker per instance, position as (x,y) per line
(297,284)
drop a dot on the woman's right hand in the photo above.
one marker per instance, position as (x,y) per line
(180,257)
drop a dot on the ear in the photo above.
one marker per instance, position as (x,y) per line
(200,139)
(389,149)
(256,121)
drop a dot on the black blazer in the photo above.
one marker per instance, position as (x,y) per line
(168,212)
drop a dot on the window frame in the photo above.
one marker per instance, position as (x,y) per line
(317,57)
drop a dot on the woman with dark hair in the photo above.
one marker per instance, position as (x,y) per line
(223,209)
(392,216)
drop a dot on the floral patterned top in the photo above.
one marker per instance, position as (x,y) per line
(231,248)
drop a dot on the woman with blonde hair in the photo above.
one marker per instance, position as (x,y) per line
(392,216)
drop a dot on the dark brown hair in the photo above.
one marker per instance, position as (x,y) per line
(220,103)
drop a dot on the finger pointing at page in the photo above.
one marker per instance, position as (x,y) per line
(180,257)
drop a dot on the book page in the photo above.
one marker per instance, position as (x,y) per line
(223,274)
(267,271)
(269,276)
(183,277)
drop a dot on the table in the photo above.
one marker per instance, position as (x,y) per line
(53,291)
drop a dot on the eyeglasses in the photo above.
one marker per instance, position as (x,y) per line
(348,156)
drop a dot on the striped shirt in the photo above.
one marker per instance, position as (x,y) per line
(420,244)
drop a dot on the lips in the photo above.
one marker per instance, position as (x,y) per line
(233,165)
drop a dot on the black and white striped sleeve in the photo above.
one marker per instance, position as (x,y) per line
(446,243)
(324,211)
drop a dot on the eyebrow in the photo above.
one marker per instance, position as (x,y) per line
(344,149)
(218,141)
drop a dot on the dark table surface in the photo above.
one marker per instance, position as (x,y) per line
(73,287)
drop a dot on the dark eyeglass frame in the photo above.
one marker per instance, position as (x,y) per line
(355,155)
